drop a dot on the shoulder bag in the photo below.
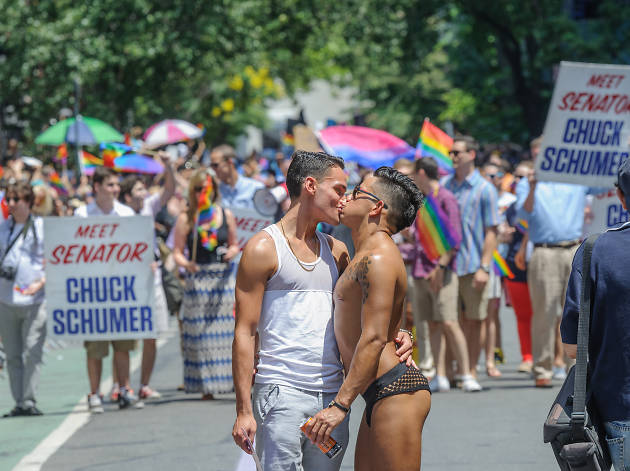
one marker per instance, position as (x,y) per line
(569,427)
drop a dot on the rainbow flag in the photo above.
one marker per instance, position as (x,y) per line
(207,212)
(288,140)
(57,184)
(90,160)
(522,226)
(113,150)
(435,232)
(62,153)
(433,142)
(500,265)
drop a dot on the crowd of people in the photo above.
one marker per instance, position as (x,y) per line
(491,205)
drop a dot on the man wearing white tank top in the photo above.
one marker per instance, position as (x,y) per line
(284,292)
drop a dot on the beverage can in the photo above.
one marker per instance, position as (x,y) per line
(330,447)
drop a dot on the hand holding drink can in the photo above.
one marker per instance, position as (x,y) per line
(330,447)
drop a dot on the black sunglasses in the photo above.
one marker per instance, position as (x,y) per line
(13,198)
(455,153)
(374,197)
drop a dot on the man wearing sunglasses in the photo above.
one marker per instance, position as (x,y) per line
(369,299)
(284,291)
(236,190)
(478,207)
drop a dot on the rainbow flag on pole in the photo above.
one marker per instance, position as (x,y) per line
(207,213)
(501,267)
(433,142)
(435,232)
(57,184)
(62,153)
(113,150)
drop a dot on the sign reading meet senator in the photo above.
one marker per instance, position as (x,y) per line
(99,279)
(587,128)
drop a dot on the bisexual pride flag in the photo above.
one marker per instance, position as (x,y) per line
(368,147)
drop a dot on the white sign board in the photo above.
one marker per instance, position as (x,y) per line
(99,280)
(586,133)
(607,212)
(248,223)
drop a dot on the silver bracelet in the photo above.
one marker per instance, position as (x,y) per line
(407,331)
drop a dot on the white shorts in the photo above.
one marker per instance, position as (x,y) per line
(494,285)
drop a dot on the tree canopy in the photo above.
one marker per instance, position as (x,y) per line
(486,66)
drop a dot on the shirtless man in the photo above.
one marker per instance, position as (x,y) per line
(284,291)
(369,299)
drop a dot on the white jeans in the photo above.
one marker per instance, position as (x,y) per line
(23,331)
(280,444)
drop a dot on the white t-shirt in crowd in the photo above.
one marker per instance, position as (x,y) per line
(93,209)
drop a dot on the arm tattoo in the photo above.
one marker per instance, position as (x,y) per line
(359,274)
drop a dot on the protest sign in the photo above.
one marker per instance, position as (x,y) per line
(248,223)
(99,280)
(586,133)
(606,212)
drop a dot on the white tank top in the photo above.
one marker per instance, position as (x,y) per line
(297,336)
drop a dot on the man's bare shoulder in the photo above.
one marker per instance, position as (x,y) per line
(339,252)
(259,254)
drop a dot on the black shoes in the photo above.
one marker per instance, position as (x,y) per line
(23,412)
(32,411)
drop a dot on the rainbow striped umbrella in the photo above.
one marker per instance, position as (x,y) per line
(368,147)
(170,131)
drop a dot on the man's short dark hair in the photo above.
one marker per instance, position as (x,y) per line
(430,167)
(103,173)
(401,195)
(309,164)
(226,151)
(127,185)
(471,143)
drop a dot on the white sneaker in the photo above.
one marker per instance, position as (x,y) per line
(470,384)
(439,384)
(94,404)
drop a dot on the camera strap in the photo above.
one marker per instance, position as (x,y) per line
(23,232)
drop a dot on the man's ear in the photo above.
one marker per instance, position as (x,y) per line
(377,210)
(310,185)
(622,198)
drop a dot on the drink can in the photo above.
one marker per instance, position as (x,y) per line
(330,448)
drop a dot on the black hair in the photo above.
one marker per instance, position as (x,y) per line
(22,190)
(102,173)
(401,195)
(309,164)
(429,165)
(127,185)
(471,143)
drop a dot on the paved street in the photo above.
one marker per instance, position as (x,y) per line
(498,429)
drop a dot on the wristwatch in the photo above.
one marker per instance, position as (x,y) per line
(485,268)
(334,403)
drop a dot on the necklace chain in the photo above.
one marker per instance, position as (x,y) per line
(293,252)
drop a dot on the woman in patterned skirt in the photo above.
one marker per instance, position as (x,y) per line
(207,233)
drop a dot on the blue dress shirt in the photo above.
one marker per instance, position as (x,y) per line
(558,213)
(241,195)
